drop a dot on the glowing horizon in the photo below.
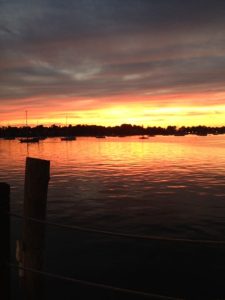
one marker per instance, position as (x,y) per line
(118,112)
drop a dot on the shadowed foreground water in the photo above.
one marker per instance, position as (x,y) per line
(162,186)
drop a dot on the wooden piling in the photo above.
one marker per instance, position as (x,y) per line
(5,241)
(37,176)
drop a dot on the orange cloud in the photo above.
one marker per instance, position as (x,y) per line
(148,110)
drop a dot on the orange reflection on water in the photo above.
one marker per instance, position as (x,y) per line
(158,152)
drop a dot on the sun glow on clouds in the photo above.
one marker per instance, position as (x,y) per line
(179,109)
(179,116)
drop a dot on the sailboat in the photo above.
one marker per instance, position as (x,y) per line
(29,139)
(143,137)
(68,137)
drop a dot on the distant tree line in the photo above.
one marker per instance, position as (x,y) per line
(95,130)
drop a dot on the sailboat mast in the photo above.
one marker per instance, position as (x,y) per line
(26,117)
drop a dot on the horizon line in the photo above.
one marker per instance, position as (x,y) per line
(143,126)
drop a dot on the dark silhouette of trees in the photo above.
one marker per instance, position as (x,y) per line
(97,130)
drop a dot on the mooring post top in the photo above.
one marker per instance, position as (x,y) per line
(37,168)
(4,195)
(4,187)
(37,160)
(4,184)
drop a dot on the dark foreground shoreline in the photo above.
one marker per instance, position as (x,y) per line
(168,269)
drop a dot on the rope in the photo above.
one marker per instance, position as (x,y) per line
(123,235)
(93,284)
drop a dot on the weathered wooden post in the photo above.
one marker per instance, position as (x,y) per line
(5,241)
(37,175)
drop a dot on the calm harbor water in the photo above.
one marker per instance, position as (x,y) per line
(164,186)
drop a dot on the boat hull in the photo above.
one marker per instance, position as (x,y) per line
(29,140)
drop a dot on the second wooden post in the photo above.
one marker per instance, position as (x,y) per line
(5,241)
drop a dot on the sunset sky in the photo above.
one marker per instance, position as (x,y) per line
(108,62)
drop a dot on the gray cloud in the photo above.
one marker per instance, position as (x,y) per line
(100,48)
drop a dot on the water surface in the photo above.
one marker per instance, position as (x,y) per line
(174,184)
(164,186)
